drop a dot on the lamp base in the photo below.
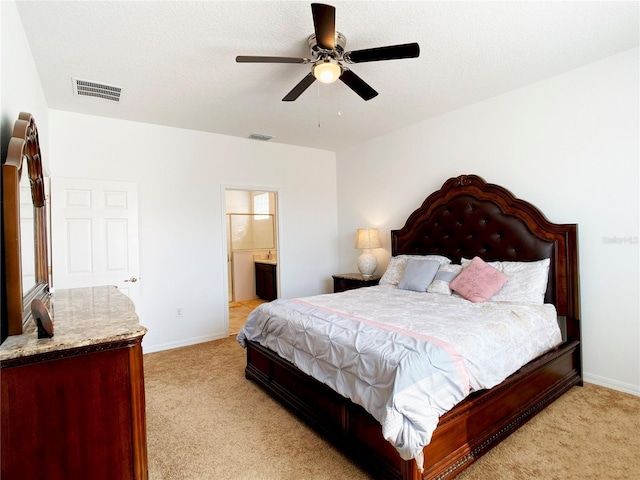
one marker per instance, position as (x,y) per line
(367,263)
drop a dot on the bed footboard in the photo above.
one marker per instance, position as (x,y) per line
(465,433)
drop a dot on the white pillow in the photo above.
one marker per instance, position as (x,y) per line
(444,276)
(527,281)
(418,274)
(397,264)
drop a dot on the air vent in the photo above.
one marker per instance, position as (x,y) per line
(88,88)
(260,136)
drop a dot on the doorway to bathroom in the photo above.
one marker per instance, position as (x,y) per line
(252,252)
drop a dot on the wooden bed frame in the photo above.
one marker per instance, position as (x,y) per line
(465,218)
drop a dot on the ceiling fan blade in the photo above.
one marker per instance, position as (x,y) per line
(324,23)
(358,85)
(250,59)
(299,88)
(392,52)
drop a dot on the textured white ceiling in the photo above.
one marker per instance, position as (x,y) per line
(176,60)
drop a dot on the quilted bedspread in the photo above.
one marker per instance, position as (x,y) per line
(406,357)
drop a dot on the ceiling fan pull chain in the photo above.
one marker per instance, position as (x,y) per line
(318,105)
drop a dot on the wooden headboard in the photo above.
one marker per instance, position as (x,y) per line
(468,217)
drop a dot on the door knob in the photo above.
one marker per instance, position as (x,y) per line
(132,280)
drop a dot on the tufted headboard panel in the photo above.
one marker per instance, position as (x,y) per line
(468,217)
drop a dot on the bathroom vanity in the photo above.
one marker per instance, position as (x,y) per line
(266,279)
(73,406)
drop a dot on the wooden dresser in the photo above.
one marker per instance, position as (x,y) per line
(73,406)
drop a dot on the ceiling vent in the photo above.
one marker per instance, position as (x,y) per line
(260,136)
(88,88)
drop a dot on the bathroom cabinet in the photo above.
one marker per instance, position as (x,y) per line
(266,282)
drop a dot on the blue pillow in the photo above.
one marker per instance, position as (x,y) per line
(418,275)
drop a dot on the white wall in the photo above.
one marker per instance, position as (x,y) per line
(569,145)
(20,88)
(181,176)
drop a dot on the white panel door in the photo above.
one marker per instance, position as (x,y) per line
(94,234)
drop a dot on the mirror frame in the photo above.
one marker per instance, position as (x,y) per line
(23,150)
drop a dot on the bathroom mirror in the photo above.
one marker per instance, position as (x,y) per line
(26,260)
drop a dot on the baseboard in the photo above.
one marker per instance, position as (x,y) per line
(182,343)
(613,384)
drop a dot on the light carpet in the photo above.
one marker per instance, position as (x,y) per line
(206,421)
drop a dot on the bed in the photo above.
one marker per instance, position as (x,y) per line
(465,219)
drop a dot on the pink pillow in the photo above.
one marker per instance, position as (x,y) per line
(479,281)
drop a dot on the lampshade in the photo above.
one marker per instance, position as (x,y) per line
(327,71)
(367,238)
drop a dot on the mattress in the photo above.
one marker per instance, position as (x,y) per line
(406,357)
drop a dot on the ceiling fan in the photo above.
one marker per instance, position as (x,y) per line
(327,56)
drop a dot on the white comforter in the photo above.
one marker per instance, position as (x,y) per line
(406,357)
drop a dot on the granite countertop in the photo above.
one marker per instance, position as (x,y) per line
(81,317)
(266,261)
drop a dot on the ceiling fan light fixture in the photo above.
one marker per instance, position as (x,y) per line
(327,71)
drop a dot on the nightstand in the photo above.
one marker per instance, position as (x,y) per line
(349,281)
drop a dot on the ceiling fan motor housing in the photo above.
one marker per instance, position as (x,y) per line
(336,53)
